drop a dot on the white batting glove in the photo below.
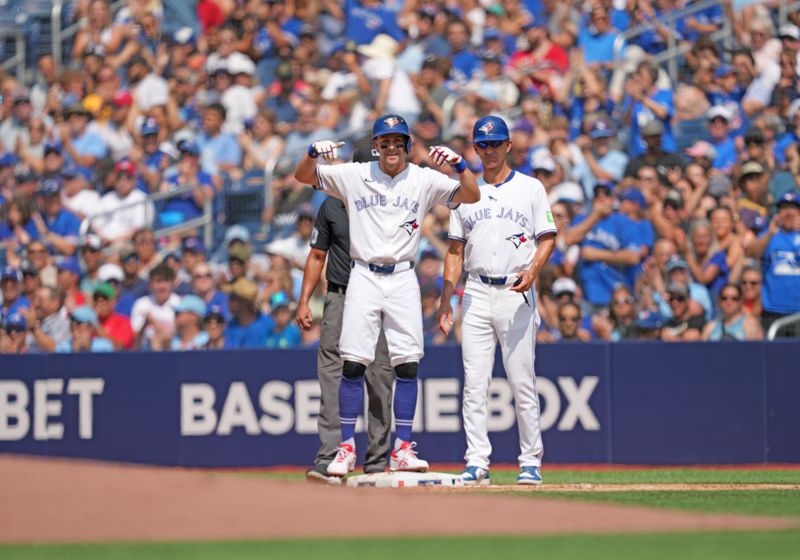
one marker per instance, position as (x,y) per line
(326,148)
(442,154)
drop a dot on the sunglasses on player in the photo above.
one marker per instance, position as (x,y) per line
(483,144)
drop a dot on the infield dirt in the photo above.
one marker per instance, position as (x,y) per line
(53,500)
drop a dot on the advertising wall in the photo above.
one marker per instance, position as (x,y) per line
(637,403)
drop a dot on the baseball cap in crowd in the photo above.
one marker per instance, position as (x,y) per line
(305,210)
(125,166)
(647,320)
(244,289)
(751,168)
(127,255)
(678,288)
(184,36)
(84,315)
(754,136)
(189,147)
(122,98)
(308,30)
(10,273)
(110,272)
(25,175)
(702,149)
(718,111)
(489,55)
(92,242)
(564,286)
(240,253)
(149,126)
(194,245)
(789,31)
(533,23)
(676,263)
(601,129)
(491,34)
(27,268)
(674,199)
(278,300)
(53,147)
(215,312)
(719,185)
(365,153)
(20,96)
(606,186)
(634,195)
(70,264)
(191,303)
(77,109)
(429,253)
(543,161)
(653,128)
(241,65)
(789,199)
(50,186)
(724,70)
(105,290)
(8,160)
(237,233)
(15,322)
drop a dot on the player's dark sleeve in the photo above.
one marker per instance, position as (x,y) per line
(322,239)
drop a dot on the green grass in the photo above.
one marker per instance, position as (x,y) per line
(700,546)
(627,476)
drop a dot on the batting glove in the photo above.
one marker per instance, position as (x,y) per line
(443,154)
(327,149)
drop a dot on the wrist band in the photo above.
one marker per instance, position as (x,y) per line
(461,166)
(312,152)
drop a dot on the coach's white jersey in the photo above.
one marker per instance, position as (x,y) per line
(501,228)
(386,213)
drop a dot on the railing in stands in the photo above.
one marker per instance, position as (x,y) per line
(789,325)
(205,221)
(11,27)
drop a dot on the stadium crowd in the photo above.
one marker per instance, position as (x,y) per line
(677,201)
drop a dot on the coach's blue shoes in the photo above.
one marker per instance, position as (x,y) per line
(529,475)
(475,475)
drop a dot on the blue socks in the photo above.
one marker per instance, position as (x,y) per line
(405,402)
(351,404)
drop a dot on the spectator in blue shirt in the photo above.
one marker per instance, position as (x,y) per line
(609,247)
(365,19)
(13,334)
(248,328)
(215,327)
(285,333)
(464,62)
(789,137)
(779,250)
(649,103)
(58,227)
(601,162)
(10,286)
(189,315)
(188,205)
(719,120)
(204,285)
(83,333)
(83,148)
(633,205)
(219,151)
(597,38)
(16,226)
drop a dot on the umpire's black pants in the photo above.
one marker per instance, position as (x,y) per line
(379,392)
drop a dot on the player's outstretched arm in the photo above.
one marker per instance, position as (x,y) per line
(468,191)
(453,266)
(306,170)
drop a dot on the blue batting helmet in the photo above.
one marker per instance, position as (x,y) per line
(392,124)
(490,128)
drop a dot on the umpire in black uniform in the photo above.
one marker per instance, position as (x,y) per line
(331,238)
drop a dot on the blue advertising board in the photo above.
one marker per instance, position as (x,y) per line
(639,403)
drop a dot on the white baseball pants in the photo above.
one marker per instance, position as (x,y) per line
(392,300)
(492,314)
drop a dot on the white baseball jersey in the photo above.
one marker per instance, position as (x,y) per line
(386,213)
(501,228)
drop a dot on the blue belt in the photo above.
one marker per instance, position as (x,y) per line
(493,280)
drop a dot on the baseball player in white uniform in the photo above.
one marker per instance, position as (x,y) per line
(502,241)
(386,203)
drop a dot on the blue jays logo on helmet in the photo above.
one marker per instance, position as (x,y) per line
(392,124)
(517,239)
(490,128)
(410,226)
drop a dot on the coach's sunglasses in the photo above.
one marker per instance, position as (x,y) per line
(483,144)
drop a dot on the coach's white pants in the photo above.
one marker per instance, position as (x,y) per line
(392,300)
(492,314)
